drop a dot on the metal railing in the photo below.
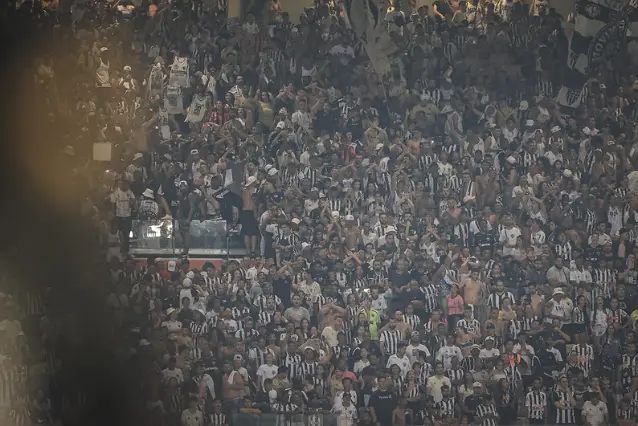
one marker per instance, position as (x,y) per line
(163,236)
(270,419)
(324,418)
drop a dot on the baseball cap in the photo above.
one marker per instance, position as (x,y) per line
(172,265)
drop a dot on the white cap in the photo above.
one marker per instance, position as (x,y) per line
(378,147)
(104,49)
(281,125)
(187,282)
(586,131)
(446,109)
(296,220)
(558,291)
(304,246)
(170,311)
(127,68)
(172,265)
(138,156)
(272,172)
(267,167)
(349,217)
(511,160)
(567,173)
(190,275)
(555,129)
(529,123)
(148,193)
(250,181)
(390,229)
(335,213)
(523,106)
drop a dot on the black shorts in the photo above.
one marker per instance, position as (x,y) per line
(249,225)
(125,224)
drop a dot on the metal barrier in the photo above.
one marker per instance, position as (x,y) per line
(207,237)
(270,419)
(324,418)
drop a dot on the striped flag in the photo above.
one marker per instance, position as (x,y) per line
(600,30)
(366,18)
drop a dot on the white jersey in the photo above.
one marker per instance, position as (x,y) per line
(197,109)
(179,73)
(156,81)
(174,102)
(557,309)
(102,75)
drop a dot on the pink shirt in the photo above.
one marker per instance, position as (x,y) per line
(455,305)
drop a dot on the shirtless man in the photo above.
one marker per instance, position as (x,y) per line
(474,292)
(250,227)
(401,413)
(414,144)
(352,233)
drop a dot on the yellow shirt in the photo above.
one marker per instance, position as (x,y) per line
(266,114)
(374,319)
(280,384)
(335,385)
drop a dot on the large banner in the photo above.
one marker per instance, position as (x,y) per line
(367,19)
(600,32)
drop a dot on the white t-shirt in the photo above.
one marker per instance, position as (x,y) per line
(412,351)
(172,326)
(251,28)
(344,53)
(434,387)
(445,169)
(595,414)
(403,363)
(346,415)
(186,292)
(508,239)
(192,419)
(302,119)
(446,353)
(176,373)
(379,304)
(266,371)
(359,366)
(489,353)
(123,201)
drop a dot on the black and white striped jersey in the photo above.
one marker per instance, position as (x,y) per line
(536,404)
(390,340)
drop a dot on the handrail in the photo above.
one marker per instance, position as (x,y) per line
(165,237)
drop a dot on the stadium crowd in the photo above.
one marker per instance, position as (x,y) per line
(439,244)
